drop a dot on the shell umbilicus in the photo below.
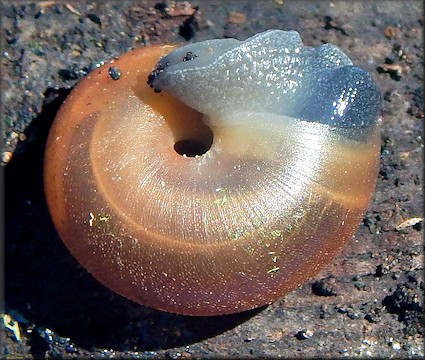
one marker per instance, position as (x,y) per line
(237,180)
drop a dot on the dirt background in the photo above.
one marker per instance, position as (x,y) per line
(367,303)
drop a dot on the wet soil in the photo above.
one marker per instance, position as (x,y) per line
(368,302)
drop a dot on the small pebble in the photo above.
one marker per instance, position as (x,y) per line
(304,334)
(114,73)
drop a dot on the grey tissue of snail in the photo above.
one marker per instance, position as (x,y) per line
(271,74)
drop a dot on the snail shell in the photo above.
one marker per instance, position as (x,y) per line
(237,180)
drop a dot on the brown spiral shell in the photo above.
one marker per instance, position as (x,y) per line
(261,209)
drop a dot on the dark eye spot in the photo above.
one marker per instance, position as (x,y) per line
(189,56)
(159,68)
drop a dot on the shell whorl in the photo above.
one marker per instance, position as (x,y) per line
(274,198)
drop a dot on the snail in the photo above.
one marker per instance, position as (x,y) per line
(215,177)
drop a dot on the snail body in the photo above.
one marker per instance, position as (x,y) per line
(238,179)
